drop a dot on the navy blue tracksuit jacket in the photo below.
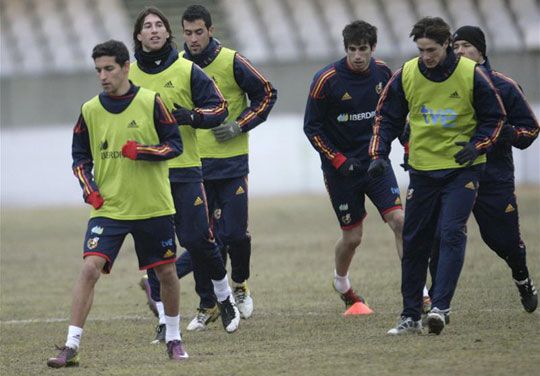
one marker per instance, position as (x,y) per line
(442,195)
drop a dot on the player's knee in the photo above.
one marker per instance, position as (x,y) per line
(203,253)
(501,243)
(91,271)
(454,236)
(395,220)
(238,238)
(166,272)
(196,241)
(352,243)
(352,238)
(397,225)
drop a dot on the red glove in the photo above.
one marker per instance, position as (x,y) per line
(129,150)
(95,200)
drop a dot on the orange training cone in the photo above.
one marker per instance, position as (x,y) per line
(358,308)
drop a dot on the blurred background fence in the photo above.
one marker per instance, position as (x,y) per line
(46,72)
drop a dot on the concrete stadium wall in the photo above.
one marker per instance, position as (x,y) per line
(36,164)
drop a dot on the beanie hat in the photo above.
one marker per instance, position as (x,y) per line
(474,35)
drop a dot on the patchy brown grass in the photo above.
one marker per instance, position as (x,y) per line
(297,327)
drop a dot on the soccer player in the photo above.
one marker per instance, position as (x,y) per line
(224,152)
(495,208)
(120,144)
(196,102)
(455,115)
(338,122)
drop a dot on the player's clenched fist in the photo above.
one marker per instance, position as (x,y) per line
(95,200)
(129,150)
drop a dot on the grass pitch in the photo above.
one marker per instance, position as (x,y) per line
(297,327)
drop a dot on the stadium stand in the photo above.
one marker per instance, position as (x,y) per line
(24,38)
(63,51)
(426,8)
(115,20)
(280,32)
(372,11)
(401,17)
(336,15)
(7,55)
(250,40)
(527,15)
(500,25)
(86,29)
(59,33)
(464,12)
(314,43)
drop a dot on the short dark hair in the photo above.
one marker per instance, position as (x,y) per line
(359,32)
(112,48)
(139,21)
(432,28)
(197,12)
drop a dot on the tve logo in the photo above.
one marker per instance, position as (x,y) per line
(446,117)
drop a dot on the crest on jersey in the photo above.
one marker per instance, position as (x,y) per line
(92,242)
(378,88)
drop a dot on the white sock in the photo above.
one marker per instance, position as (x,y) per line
(161,312)
(342,284)
(172,325)
(222,289)
(426,293)
(74,337)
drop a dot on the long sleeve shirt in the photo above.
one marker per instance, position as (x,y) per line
(262,97)
(500,164)
(261,94)
(210,106)
(393,108)
(209,103)
(170,143)
(340,111)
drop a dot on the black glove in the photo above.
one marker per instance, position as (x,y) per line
(405,163)
(351,167)
(507,134)
(184,116)
(377,167)
(467,155)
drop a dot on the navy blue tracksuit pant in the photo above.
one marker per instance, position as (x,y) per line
(230,197)
(193,231)
(496,213)
(447,196)
(228,205)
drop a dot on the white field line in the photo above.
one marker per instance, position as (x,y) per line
(258,314)
(65,319)
(134,318)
